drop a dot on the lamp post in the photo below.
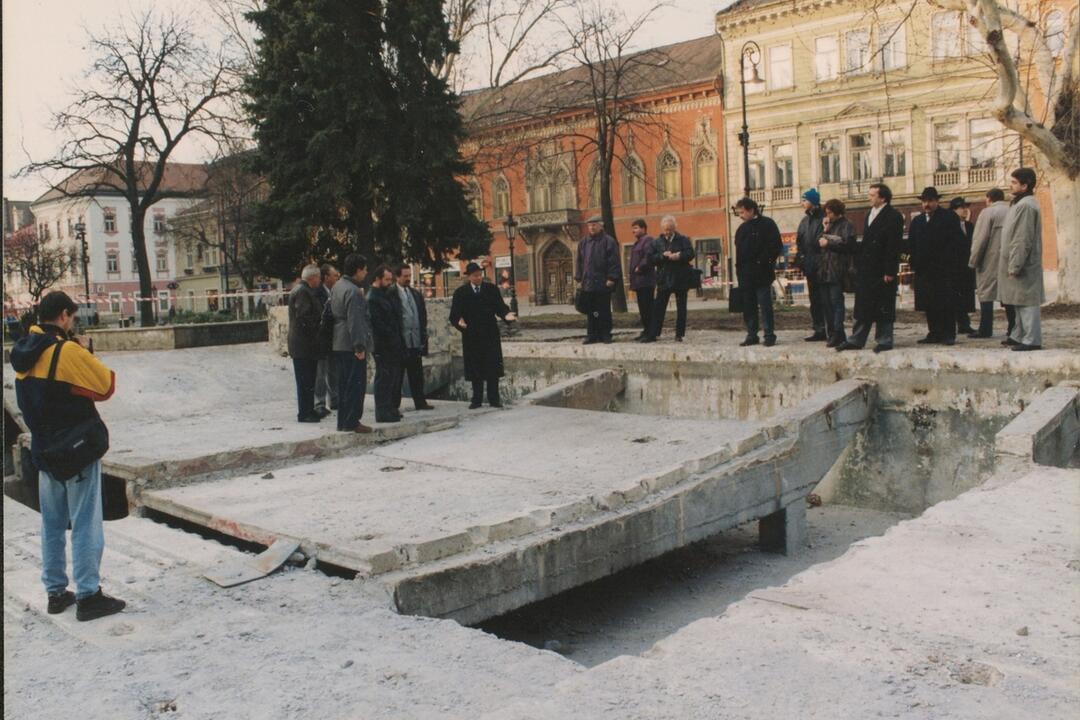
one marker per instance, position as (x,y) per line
(510,226)
(80,235)
(750,51)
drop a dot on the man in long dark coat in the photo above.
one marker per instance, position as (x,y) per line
(473,310)
(757,246)
(936,238)
(672,254)
(305,311)
(876,266)
(597,273)
(808,258)
(384,307)
(964,276)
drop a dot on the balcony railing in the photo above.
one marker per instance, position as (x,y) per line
(782,194)
(947,178)
(757,196)
(550,218)
(982,176)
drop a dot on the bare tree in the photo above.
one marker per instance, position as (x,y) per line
(39,265)
(223,220)
(151,86)
(1050,121)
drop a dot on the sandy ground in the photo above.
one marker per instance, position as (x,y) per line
(970,611)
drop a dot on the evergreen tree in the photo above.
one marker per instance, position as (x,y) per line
(357,138)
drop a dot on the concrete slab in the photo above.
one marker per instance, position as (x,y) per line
(183,413)
(424,498)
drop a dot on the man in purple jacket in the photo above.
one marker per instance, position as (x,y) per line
(642,274)
(597,272)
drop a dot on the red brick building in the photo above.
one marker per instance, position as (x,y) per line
(538,166)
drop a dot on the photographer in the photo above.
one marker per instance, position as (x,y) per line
(57,382)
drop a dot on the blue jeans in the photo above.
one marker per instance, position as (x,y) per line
(753,298)
(79,502)
(352,385)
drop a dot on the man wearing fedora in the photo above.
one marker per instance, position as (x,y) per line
(473,313)
(597,272)
(964,276)
(936,239)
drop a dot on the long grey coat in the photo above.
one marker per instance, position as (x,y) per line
(986,250)
(1021,255)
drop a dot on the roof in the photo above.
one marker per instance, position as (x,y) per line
(180,179)
(684,63)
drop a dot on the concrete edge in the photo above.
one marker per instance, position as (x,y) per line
(593,390)
(1047,432)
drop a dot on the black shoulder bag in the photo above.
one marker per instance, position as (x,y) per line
(73,448)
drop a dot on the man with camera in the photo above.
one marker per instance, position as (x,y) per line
(57,382)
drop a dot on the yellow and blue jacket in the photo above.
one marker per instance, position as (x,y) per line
(51,406)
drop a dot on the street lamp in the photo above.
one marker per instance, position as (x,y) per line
(80,235)
(750,51)
(510,226)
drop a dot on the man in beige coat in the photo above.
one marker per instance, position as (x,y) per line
(985,252)
(1020,279)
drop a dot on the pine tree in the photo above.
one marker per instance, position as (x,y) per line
(357,138)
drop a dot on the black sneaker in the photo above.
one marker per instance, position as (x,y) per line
(97,606)
(61,601)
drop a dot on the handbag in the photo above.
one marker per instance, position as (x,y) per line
(579,302)
(735,299)
(73,448)
(695,278)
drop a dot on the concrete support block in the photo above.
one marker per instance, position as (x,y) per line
(1047,432)
(784,530)
(594,390)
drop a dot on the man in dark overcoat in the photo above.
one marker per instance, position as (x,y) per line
(305,312)
(642,274)
(877,263)
(384,307)
(473,311)
(597,272)
(415,334)
(936,238)
(757,246)
(808,258)
(964,276)
(671,254)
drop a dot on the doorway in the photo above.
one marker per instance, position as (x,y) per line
(558,267)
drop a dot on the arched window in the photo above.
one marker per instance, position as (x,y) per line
(562,190)
(705,172)
(667,171)
(633,181)
(1055,32)
(474,198)
(594,184)
(500,197)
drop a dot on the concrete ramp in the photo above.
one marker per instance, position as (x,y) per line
(508,508)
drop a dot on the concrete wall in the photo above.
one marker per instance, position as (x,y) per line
(169,337)
(1047,432)
(931,439)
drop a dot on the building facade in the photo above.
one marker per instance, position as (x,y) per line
(541,170)
(112,272)
(841,94)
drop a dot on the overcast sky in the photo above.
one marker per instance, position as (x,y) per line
(44,55)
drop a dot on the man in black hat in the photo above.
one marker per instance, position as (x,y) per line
(473,310)
(597,273)
(936,238)
(965,276)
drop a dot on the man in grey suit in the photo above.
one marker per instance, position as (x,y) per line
(352,342)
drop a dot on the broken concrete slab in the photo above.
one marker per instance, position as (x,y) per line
(594,390)
(1047,432)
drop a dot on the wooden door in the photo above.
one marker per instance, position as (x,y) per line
(558,275)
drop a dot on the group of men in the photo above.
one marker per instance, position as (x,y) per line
(334,326)
(997,259)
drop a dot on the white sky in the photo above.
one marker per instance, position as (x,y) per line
(44,56)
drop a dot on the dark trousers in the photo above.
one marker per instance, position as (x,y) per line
(352,386)
(831,299)
(413,367)
(387,378)
(598,311)
(882,311)
(986,318)
(753,298)
(817,307)
(660,310)
(941,322)
(1010,316)
(305,369)
(492,392)
(644,307)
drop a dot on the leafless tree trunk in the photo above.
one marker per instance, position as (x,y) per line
(38,264)
(152,84)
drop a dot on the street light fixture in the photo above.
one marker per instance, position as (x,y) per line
(80,235)
(750,51)
(510,227)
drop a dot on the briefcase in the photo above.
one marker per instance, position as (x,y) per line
(735,299)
